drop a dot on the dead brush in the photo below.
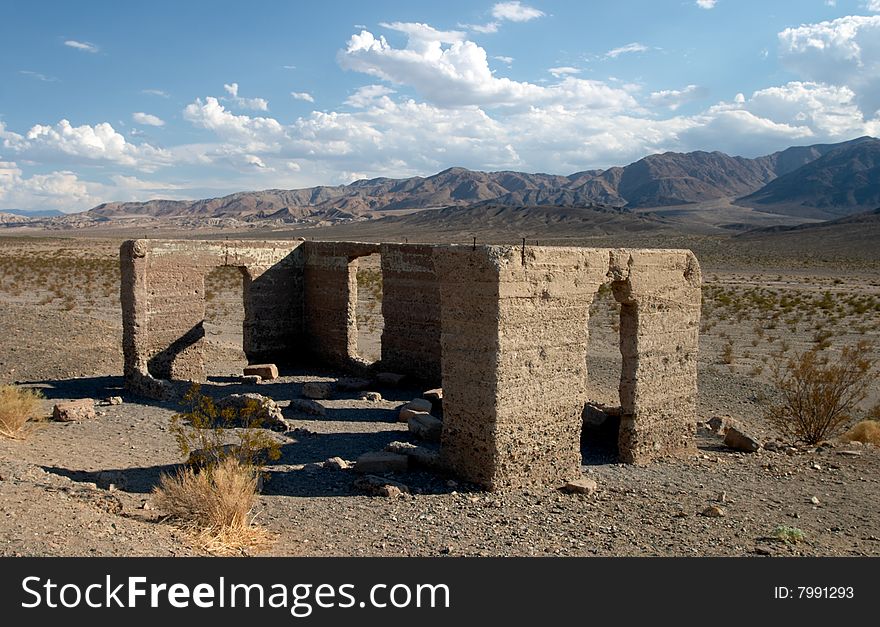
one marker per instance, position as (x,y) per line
(17,406)
(866,432)
(818,396)
(213,496)
(215,504)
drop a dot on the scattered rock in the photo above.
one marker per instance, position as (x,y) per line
(317,389)
(849,453)
(379,486)
(419,404)
(425,427)
(418,456)
(251,379)
(739,440)
(718,424)
(265,410)
(582,485)
(337,463)
(267,372)
(760,550)
(390,378)
(434,395)
(381,462)
(308,406)
(373,397)
(114,400)
(722,497)
(351,384)
(71,411)
(110,480)
(713,511)
(814,500)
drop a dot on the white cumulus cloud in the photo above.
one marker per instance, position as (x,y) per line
(147,118)
(674,98)
(302,95)
(707,4)
(515,12)
(844,51)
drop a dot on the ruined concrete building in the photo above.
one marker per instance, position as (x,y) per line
(503,329)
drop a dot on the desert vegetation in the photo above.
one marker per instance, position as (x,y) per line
(214,494)
(17,406)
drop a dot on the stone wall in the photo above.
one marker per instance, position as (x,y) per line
(411,311)
(515,320)
(331,300)
(163,305)
(505,328)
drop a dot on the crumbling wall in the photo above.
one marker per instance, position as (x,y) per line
(163,305)
(659,292)
(514,339)
(411,311)
(330,299)
(506,327)
(516,320)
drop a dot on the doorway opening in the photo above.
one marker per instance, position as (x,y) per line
(601,414)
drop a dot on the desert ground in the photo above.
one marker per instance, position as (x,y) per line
(84,488)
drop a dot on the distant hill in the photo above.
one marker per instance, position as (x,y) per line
(855,236)
(40,213)
(843,180)
(819,181)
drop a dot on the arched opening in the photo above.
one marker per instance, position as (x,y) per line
(224,320)
(368,310)
(602,412)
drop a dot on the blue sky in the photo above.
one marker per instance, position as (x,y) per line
(104,101)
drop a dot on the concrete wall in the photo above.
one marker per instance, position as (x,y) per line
(507,329)
(330,280)
(163,305)
(514,339)
(411,311)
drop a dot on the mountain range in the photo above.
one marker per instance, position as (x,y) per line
(821,181)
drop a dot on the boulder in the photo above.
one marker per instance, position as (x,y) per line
(317,389)
(390,378)
(737,439)
(337,463)
(582,485)
(308,406)
(418,455)
(267,372)
(379,486)
(351,384)
(252,406)
(425,427)
(114,400)
(419,404)
(434,395)
(405,414)
(379,462)
(373,397)
(251,379)
(72,411)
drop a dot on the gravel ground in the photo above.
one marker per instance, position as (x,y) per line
(56,496)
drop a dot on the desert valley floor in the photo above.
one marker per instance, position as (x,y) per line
(83,488)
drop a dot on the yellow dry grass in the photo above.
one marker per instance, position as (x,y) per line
(17,406)
(215,505)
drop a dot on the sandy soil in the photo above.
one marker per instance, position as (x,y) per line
(84,488)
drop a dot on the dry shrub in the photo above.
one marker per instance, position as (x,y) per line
(215,503)
(214,495)
(867,432)
(819,396)
(17,406)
